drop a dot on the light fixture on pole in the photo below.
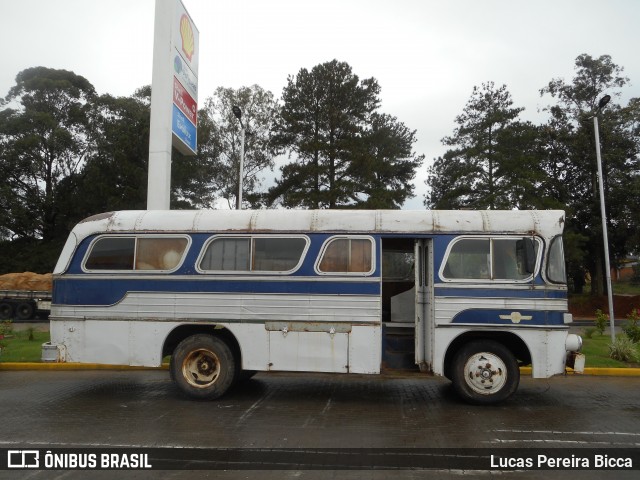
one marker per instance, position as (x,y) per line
(603,101)
(238,113)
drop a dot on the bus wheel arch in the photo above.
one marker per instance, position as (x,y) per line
(181,332)
(484,366)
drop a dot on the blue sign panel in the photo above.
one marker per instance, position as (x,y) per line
(184,130)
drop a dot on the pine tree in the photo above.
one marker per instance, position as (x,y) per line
(346,154)
(487,146)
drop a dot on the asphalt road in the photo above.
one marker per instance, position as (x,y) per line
(103,409)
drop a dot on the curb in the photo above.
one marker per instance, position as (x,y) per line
(591,371)
(17,366)
(613,372)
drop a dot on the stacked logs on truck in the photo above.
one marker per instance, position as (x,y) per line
(26,281)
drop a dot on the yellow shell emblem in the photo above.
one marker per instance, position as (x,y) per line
(186,32)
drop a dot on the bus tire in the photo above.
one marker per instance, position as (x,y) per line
(25,311)
(6,311)
(485,372)
(203,367)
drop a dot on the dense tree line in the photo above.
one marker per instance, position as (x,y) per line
(67,153)
(496,160)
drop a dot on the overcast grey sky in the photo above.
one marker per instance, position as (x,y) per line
(426,55)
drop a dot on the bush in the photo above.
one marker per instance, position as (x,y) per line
(601,321)
(632,329)
(623,349)
(6,327)
(588,332)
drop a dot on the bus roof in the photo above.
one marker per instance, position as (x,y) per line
(546,223)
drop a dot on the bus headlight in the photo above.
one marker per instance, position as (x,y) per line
(573,343)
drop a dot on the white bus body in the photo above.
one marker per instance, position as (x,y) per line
(470,295)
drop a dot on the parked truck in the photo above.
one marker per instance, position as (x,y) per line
(23,296)
(24,305)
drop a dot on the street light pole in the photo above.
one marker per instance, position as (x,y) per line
(238,113)
(603,101)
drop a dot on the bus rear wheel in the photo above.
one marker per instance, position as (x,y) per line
(203,367)
(485,372)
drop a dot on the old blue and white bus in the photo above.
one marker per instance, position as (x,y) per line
(470,295)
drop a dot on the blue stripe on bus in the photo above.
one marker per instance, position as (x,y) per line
(509,317)
(525,292)
(111,291)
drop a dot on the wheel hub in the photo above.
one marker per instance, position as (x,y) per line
(201,368)
(485,373)
(204,367)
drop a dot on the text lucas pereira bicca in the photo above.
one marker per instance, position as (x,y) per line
(573,461)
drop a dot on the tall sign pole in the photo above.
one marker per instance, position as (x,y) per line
(174,94)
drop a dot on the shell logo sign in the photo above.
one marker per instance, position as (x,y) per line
(184,115)
(185,37)
(186,33)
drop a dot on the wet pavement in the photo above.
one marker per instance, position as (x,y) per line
(102,409)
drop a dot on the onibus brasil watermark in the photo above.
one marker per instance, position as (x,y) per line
(34,459)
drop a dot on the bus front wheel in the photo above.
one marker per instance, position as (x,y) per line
(485,372)
(203,366)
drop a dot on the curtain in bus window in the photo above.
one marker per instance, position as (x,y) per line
(347,255)
(360,260)
(227,254)
(159,253)
(336,256)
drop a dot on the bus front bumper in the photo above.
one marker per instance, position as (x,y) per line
(575,359)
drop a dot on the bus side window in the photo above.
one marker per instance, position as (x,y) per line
(230,254)
(347,255)
(257,254)
(111,253)
(469,259)
(556,272)
(491,259)
(277,254)
(136,253)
